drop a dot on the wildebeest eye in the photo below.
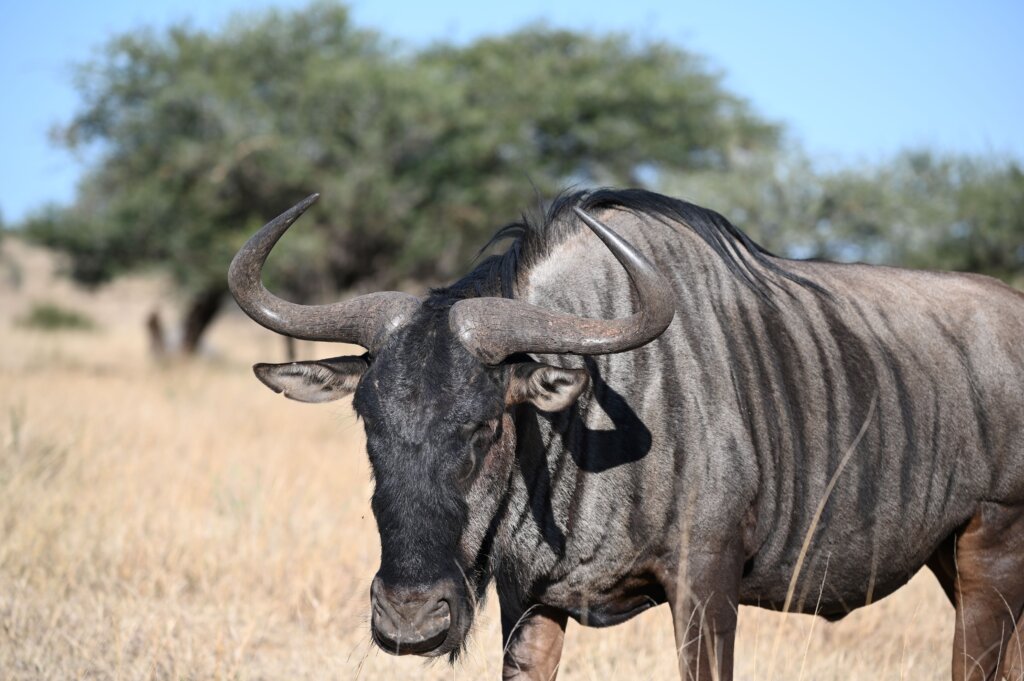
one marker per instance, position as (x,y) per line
(477,434)
(477,431)
(467,467)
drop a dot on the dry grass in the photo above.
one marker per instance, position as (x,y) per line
(183,522)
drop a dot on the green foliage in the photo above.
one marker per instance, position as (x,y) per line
(932,211)
(47,316)
(200,137)
(988,233)
(546,109)
(199,141)
(203,136)
(774,197)
(919,209)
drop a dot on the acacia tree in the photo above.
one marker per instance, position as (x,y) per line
(918,209)
(198,140)
(201,136)
(987,234)
(921,209)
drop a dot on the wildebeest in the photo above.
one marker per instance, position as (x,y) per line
(601,421)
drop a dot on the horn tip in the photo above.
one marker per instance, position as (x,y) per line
(590,220)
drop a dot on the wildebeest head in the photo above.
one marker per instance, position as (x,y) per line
(436,392)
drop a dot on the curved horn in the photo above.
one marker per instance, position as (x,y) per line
(494,328)
(366,320)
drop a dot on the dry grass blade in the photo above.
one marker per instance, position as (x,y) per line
(816,518)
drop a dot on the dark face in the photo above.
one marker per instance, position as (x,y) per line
(440,431)
(433,415)
(441,443)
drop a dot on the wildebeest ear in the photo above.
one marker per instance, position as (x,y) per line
(321,380)
(548,388)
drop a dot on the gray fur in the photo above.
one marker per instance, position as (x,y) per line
(750,406)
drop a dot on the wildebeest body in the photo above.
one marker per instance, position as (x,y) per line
(751,403)
(804,435)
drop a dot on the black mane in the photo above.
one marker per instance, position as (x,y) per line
(532,239)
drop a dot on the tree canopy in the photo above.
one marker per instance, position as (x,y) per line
(202,136)
(918,209)
(198,137)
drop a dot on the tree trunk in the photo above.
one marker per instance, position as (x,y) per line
(202,309)
(157,337)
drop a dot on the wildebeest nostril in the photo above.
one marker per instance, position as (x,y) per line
(431,610)
(409,621)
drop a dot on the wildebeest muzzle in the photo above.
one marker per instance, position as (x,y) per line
(413,620)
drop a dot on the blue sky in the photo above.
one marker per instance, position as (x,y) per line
(854,82)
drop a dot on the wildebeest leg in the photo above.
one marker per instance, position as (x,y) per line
(1013,661)
(704,597)
(989,592)
(533,642)
(943,564)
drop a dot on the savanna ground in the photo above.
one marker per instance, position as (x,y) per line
(179,520)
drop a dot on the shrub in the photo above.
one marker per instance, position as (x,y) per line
(48,316)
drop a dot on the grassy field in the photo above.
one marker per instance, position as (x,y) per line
(181,521)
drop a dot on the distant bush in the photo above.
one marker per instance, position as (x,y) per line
(52,317)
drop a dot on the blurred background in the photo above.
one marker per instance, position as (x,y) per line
(163,516)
